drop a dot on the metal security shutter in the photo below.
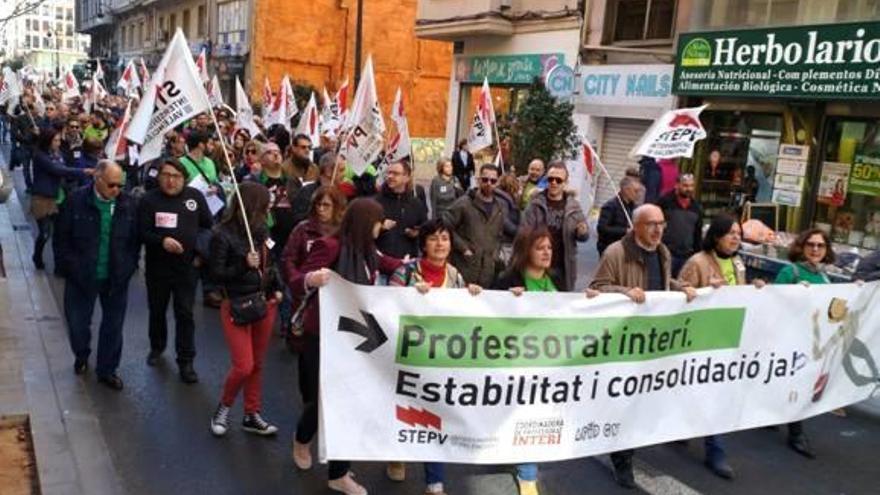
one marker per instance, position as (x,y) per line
(618,138)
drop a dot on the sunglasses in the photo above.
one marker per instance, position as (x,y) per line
(555,180)
(488,180)
(251,152)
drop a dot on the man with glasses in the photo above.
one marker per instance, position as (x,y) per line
(684,214)
(97,250)
(404,213)
(171,219)
(477,218)
(633,265)
(72,142)
(562,215)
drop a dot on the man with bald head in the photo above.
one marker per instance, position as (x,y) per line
(634,265)
(531,182)
(97,249)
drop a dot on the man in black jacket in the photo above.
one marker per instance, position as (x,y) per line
(684,218)
(616,213)
(172,218)
(463,165)
(97,249)
(404,213)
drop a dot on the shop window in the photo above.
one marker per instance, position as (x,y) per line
(848,199)
(736,163)
(642,20)
(202,21)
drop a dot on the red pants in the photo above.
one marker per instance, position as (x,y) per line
(247,348)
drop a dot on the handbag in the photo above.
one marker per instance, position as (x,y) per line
(249,308)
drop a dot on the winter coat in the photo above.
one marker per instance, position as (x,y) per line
(477,232)
(622,268)
(536,216)
(77,239)
(324,254)
(684,227)
(511,223)
(869,268)
(613,223)
(443,194)
(463,169)
(49,170)
(703,267)
(298,246)
(409,212)
(649,172)
(228,263)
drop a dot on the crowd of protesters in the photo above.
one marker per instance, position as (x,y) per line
(260,229)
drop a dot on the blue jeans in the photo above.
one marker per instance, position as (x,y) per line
(714,448)
(527,472)
(27,165)
(435,472)
(79,304)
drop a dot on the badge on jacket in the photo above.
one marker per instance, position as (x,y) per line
(166,220)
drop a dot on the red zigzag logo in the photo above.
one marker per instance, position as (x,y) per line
(415,417)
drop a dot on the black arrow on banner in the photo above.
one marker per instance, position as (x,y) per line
(371,331)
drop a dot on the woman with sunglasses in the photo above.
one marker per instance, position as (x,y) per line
(249,163)
(809,253)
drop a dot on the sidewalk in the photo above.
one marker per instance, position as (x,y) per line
(36,374)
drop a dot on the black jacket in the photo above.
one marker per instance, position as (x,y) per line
(409,212)
(463,169)
(869,268)
(613,224)
(77,236)
(684,228)
(183,218)
(228,263)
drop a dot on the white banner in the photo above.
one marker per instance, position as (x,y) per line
(551,376)
(365,125)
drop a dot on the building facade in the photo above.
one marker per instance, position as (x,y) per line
(45,38)
(311,41)
(508,42)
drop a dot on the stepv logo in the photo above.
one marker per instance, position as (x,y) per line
(420,418)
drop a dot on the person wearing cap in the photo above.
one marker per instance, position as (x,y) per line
(172,218)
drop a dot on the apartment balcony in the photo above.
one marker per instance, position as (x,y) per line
(452,20)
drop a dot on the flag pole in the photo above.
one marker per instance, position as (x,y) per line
(247,227)
(613,185)
(498,138)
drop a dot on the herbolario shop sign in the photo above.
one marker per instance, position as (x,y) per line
(832,61)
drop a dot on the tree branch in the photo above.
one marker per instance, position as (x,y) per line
(23,7)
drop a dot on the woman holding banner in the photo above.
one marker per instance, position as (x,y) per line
(432,270)
(809,254)
(351,253)
(718,265)
(530,270)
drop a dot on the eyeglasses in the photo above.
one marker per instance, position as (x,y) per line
(816,245)
(488,180)
(251,152)
(555,180)
(655,225)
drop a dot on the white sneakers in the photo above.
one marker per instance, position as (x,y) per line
(347,485)
(302,455)
(220,421)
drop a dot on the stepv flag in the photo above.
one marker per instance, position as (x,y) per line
(244,113)
(117,145)
(175,94)
(309,122)
(71,86)
(214,94)
(480,135)
(202,66)
(400,146)
(364,139)
(129,82)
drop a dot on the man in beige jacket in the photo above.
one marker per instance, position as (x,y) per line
(633,265)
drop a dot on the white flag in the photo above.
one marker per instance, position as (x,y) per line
(364,141)
(116,144)
(292,109)
(214,92)
(400,146)
(129,81)
(673,135)
(71,87)
(99,69)
(244,117)
(10,90)
(94,94)
(335,112)
(308,122)
(173,96)
(202,66)
(268,100)
(143,72)
(278,113)
(480,135)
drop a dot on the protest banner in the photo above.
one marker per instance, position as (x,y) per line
(673,135)
(174,95)
(496,378)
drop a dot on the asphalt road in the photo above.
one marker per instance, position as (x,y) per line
(157,431)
